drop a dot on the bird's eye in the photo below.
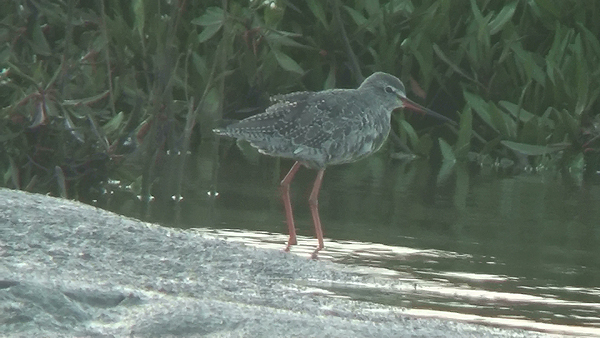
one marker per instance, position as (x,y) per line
(389,89)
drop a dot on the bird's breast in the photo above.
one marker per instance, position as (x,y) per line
(359,139)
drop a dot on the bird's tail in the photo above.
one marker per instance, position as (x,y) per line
(222,128)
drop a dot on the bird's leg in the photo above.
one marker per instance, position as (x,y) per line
(285,196)
(313,201)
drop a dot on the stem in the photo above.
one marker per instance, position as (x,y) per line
(354,65)
(107,57)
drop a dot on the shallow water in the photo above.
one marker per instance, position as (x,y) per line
(518,251)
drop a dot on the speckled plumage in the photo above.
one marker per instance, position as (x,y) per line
(318,129)
(324,128)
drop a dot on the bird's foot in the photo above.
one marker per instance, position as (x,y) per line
(289,245)
(315,253)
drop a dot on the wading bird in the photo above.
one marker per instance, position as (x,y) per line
(318,129)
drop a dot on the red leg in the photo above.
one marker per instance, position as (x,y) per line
(285,196)
(313,201)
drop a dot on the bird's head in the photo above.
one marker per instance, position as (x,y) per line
(391,93)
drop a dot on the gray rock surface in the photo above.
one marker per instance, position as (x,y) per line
(69,269)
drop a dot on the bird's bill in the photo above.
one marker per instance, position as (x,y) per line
(407,103)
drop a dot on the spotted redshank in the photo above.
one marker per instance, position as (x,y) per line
(317,129)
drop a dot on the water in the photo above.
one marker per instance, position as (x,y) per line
(518,251)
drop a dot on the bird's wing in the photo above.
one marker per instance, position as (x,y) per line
(324,119)
(291,97)
(306,126)
(261,126)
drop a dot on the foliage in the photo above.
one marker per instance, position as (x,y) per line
(527,69)
(95,92)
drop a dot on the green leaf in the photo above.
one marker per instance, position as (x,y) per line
(405,7)
(114,124)
(330,81)
(199,63)
(14,173)
(534,150)
(581,75)
(5,136)
(248,64)
(425,144)
(212,21)
(577,167)
(463,144)
(98,132)
(569,122)
(5,54)
(461,191)
(39,44)
(528,64)
(504,124)
(448,162)
(87,100)
(531,132)
(75,131)
(502,18)
(424,56)
(514,110)
(283,39)
(373,8)
(316,7)
(480,106)
(57,73)
(211,101)
(212,17)
(447,153)
(410,132)
(590,39)
(445,171)
(438,51)
(491,115)
(491,145)
(60,180)
(359,19)
(477,13)
(287,62)
(208,32)
(550,6)
(556,54)
(248,151)
(272,15)
(138,10)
